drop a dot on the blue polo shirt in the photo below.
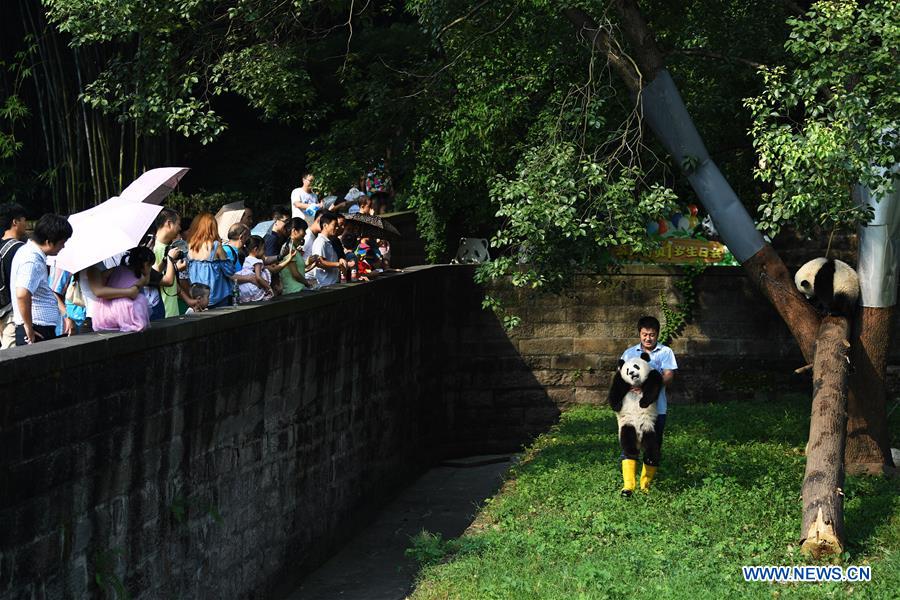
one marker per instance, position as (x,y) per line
(661,358)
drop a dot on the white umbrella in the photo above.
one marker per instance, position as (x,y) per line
(153,185)
(103,231)
(262,228)
(227,216)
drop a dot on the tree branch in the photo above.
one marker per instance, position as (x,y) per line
(640,38)
(716,55)
(600,38)
(459,20)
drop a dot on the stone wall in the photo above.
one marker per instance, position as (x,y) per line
(224,454)
(566,348)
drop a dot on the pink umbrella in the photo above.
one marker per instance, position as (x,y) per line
(119,223)
(103,231)
(153,185)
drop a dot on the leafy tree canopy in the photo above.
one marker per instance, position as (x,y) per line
(831,121)
(495,116)
(175,56)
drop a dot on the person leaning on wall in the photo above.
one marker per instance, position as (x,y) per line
(36,309)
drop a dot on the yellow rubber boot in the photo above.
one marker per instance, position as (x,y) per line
(629,473)
(647,476)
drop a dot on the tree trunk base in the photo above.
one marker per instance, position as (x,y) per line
(878,468)
(821,539)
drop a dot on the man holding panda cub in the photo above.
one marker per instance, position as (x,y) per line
(662,360)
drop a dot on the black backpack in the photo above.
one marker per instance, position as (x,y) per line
(10,247)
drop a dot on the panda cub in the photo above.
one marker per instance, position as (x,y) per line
(633,394)
(832,284)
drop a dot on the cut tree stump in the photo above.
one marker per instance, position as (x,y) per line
(822,532)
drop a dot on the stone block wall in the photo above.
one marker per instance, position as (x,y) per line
(566,347)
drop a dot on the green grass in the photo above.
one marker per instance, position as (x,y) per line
(727,495)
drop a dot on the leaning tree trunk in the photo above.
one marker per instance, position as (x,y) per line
(868,450)
(823,499)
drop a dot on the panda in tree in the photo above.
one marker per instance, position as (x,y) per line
(831,285)
(635,389)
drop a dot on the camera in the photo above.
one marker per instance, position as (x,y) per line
(180,246)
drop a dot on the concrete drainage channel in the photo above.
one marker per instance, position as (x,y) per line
(373,565)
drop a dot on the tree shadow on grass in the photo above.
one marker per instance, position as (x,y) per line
(785,422)
(869,503)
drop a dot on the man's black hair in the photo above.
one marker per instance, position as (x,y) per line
(298,224)
(51,229)
(648,322)
(280,212)
(9,212)
(326,218)
(321,212)
(166,215)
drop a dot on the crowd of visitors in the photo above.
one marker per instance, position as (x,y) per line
(311,244)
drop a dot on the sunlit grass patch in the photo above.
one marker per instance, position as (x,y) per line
(727,495)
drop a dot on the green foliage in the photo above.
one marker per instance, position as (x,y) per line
(431,548)
(272,79)
(725,496)
(182,505)
(487,102)
(13,110)
(428,548)
(462,100)
(190,205)
(565,210)
(676,317)
(379,111)
(104,563)
(174,56)
(832,120)
(494,115)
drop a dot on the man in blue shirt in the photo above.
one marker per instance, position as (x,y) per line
(36,309)
(662,359)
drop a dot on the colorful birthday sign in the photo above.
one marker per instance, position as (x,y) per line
(682,251)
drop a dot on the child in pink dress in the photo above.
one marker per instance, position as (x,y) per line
(125,314)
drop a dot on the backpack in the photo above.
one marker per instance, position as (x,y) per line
(11,246)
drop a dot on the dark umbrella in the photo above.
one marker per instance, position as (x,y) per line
(372,226)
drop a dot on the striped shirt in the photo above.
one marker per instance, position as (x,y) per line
(29,271)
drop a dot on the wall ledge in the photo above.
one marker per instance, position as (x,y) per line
(58,354)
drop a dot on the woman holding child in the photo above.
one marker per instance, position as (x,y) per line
(208,262)
(126,314)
